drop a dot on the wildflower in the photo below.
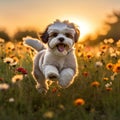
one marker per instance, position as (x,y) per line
(22,70)
(113,55)
(17,78)
(103,48)
(11,100)
(4,86)
(8,60)
(95,84)
(116,68)
(13,64)
(110,66)
(54,90)
(105,79)
(105,41)
(48,114)
(108,84)
(2,40)
(112,77)
(1,79)
(15,59)
(108,88)
(118,43)
(62,107)
(85,74)
(79,101)
(99,64)
(89,55)
(110,40)
(10,46)
(118,60)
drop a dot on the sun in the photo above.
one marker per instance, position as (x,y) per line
(84,27)
(82,24)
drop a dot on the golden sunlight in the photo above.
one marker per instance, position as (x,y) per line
(84,27)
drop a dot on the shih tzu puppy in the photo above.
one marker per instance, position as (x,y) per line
(56,61)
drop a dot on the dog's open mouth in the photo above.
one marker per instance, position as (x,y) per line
(61,47)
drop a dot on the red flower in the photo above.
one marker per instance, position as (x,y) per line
(54,90)
(22,70)
(85,74)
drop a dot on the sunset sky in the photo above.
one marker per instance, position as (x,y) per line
(88,14)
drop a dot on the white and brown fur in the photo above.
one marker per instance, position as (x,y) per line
(57,61)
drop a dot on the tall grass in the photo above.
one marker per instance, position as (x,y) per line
(95,94)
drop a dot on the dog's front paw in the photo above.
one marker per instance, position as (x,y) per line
(52,76)
(63,84)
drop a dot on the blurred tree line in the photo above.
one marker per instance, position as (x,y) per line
(18,35)
(4,35)
(110,29)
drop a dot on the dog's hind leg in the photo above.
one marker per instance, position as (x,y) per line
(41,83)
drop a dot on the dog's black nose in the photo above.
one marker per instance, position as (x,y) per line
(61,39)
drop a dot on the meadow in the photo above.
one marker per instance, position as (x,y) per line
(95,94)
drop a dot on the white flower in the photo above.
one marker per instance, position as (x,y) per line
(118,43)
(8,60)
(17,78)
(4,86)
(11,99)
(108,84)
(99,64)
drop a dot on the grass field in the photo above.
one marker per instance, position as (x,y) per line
(95,94)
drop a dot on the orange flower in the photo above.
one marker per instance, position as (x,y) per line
(110,66)
(105,79)
(89,55)
(116,68)
(79,101)
(108,88)
(95,84)
(103,48)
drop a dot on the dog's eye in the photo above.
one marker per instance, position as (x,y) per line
(54,34)
(68,35)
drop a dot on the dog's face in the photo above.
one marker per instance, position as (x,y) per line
(60,37)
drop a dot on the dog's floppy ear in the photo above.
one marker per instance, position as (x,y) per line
(44,36)
(77,34)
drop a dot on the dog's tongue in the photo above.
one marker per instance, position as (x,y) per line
(61,47)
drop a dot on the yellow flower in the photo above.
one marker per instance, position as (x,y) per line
(2,40)
(105,79)
(116,68)
(95,84)
(110,66)
(10,46)
(48,114)
(89,55)
(118,43)
(79,101)
(17,78)
(104,48)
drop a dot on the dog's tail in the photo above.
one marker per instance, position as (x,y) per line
(33,43)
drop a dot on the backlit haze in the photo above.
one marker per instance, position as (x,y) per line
(88,14)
